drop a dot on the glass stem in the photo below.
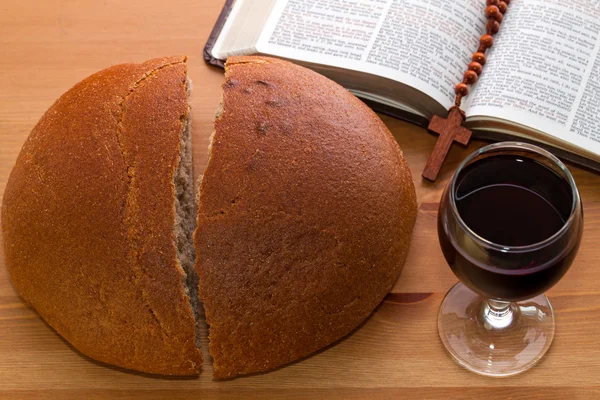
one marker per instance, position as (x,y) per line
(497,314)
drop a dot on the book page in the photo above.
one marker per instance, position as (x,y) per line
(425,44)
(544,71)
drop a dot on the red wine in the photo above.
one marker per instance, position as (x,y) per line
(523,203)
(511,201)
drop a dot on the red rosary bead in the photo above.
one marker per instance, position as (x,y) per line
(470,77)
(461,89)
(492,12)
(503,6)
(492,2)
(486,41)
(493,26)
(479,57)
(475,67)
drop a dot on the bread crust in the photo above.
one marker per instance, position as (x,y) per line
(306,210)
(88,216)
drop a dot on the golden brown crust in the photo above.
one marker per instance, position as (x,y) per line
(305,216)
(88,216)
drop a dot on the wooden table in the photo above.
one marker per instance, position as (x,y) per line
(47,46)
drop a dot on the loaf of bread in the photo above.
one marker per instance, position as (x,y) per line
(306,210)
(304,218)
(98,216)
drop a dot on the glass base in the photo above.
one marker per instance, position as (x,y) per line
(495,338)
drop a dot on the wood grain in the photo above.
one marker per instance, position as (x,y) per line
(47,46)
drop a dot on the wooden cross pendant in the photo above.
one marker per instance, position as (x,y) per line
(450,130)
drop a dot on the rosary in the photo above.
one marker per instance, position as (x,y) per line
(450,129)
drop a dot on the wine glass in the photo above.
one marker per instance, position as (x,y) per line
(509,224)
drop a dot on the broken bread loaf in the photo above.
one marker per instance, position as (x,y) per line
(306,210)
(304,219)
(98,215)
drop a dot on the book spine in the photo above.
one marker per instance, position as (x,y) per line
(214,34)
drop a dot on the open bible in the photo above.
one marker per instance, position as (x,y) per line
(541,81)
